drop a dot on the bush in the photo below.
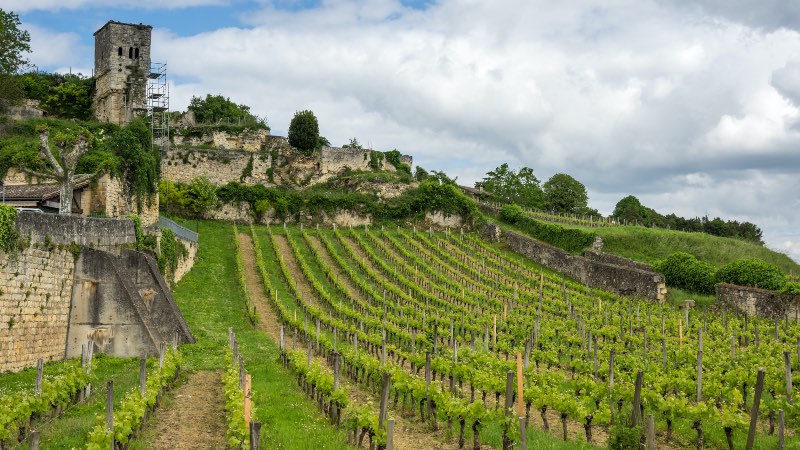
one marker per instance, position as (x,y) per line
(752,272)
(570,239)
(304,131)
(684,271)
(624,437)
(792,288)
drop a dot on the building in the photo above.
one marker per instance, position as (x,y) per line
(45,197)
(121,70)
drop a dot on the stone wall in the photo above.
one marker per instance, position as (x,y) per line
(110,198)
(35,290)
(250,140)
(761,302)
(41,282)
(608,258)
(622,279)
(333,160)
(122,304)
(185,264)
(106,234)
(219,166)
(443,220)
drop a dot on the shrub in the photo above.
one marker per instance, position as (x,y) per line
(792,288)
(684,271)
(624,437)
(752,272)
(304,131)
(570,239)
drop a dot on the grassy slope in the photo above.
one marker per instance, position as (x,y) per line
(652,244)
(211,301)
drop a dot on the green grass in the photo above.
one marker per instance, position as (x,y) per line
(71,429)
(652,244)
(211,301)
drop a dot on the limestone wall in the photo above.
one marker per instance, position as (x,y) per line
(444,220)
(761,302)
(109,198)
(608,258)
(249,140)
(106,234)
(186,264)
(219,166)
(35,290)
(334,159)
(622,279)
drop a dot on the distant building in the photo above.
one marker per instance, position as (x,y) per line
(46,197)
(121,69)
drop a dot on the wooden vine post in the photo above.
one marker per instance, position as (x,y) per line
(507,444)
(751,435)
(110,410)
(247,393)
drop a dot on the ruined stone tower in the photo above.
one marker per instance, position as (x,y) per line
(121,68)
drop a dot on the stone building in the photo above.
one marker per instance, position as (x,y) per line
(121,68)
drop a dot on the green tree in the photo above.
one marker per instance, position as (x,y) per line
(304,131)
(71,99)
(14,43)
(218,109)
(522,188)
(565,194)
(202,196)
(353,143)
(630,209)
(139,162)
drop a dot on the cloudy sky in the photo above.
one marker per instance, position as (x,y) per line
(694,107)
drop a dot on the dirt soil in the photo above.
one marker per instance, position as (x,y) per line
(195,419)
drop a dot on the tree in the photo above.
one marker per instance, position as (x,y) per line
(216,109)
(521,187)
(202,196)
(139,162)
(13,44)
(565,194)
(353,143)
(69,147)
(71,99)
(304,131)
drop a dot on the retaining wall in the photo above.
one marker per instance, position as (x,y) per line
(625,279)
(760,302)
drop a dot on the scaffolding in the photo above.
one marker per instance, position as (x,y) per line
(158,104)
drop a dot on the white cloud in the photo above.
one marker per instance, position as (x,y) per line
(52,49)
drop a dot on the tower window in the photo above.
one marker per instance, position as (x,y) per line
(136,53)
(119,51)
(130,52)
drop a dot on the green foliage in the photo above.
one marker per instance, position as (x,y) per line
(520,187)
(375,160)
(72,99)
(630,210)
(130,413)
(8,233)
(304,132)
(194,199)
(684,271)
(236,431)
(217,109)
(393,157)
(353,143)
(565,194)
(752,272)
(624,437)
(172,252)
(791,288)
(138,161)
(17,407)
(137,227)
(572,240)
(14,43)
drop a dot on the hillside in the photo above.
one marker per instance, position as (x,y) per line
(652,244)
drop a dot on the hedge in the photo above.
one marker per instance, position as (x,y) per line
(752,272)
(570,239)
(682,270)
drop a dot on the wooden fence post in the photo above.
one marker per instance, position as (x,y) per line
(39,370)
(788,364)
(751,435)
(142,376)
(387,381)
(781,430)
(509,405)
(651,433)
(247,383)
(255,434)
(34,444)
(110,410)
(520,395)
(390,434)
(636,418)
(523,434)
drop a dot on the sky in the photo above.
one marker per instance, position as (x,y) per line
(693,107)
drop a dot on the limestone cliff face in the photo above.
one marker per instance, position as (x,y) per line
(255,157)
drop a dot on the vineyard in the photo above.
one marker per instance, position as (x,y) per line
(443,317)
(391,338)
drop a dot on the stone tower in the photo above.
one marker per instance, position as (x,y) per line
(121,68)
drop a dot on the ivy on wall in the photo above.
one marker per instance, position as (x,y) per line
(8,234)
